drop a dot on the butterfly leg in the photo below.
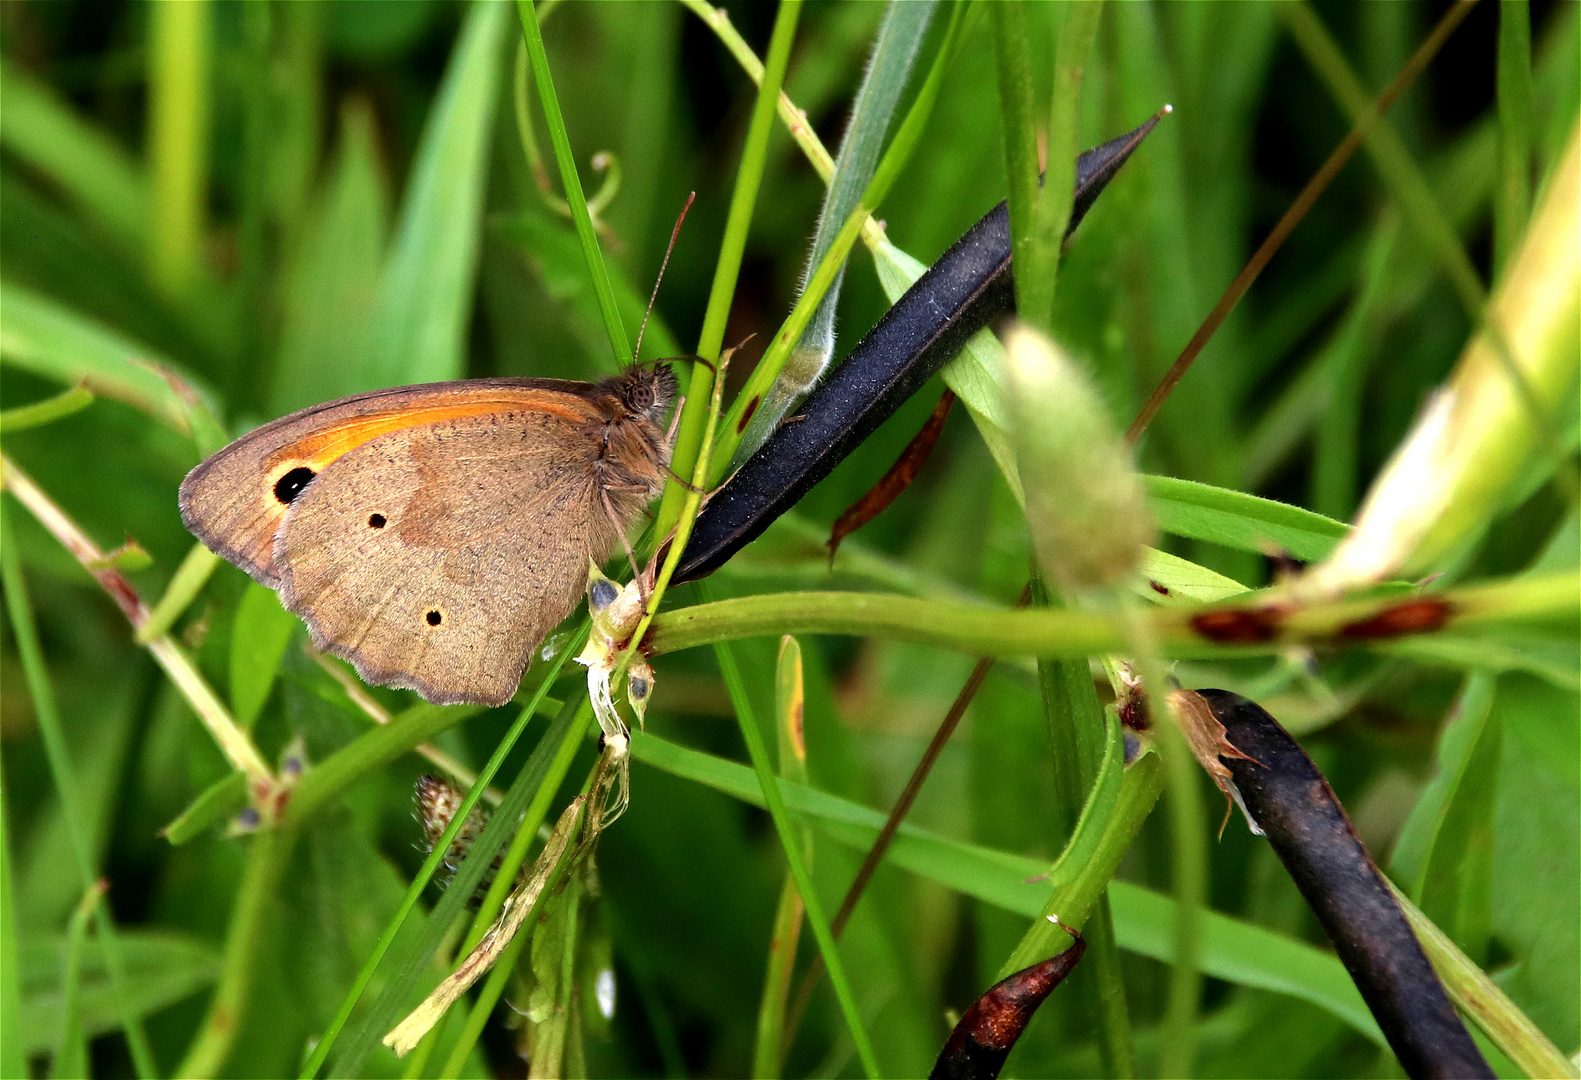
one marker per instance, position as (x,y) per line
(620,528)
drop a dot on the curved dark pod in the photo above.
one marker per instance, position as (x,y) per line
(1292,802)
(980,1043)
(958,295)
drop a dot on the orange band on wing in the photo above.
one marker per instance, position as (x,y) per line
(321,448)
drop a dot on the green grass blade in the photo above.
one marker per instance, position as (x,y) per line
(1512,202)
(49,410)
(790,843)
(180,53)
(619,344)
(214,803)
(1480,998)
(95,171)
(259,637)
(749,177)
(332,277)
(185,585)
(889,170)
(71,1052)
(408,960)
(425,297)
(1236,520)
(25,634)
(55,342)
(888,69)
(13,1062)
(1231,949)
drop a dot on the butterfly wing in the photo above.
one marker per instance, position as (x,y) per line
(439,563)
(236,500)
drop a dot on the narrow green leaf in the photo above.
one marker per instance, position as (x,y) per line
(1512,202)
(214,804)
(13,1060)
(42,692)
(690,435)
(52,341)
(59,407)
(163,967)
(180,53)
(425,296)
(773,801)
(888,69)
(576,201)
(332,277)
(1230,949)
(259,637)
(1203,512)
(557,255)
(95,171)
(71,1051)
(185,584)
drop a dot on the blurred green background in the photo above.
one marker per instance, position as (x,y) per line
(288,201)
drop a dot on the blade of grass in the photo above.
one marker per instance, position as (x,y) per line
(413,955)
(1237,520)
(790,843)
(888,69)
(71,1052)
(790,699)
(1481,999)
(179,55)
(619,345)
(268,855)
(25,633)
(13,1061)
(710,339)
(51,340)
(505,880)
(1232,950)
(1512,203)
(96,172)
(47,411)
(185,584)
(425,296)
(890,168)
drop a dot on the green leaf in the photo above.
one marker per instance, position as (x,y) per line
(13,1061)
(1229,948)
(1183,580)
(259,638)
(163,967)
(425,297)
(55,342)
(557,255)
(45,412)
(332,279)
(1237,520)
(95,172)
(215,803)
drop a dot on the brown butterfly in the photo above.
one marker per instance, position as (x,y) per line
(433,535)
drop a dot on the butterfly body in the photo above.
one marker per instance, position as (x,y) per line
(433,535)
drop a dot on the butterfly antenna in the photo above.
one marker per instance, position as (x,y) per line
(674,233)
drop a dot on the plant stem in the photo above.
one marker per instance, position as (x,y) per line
(1018,124)
(1513,196)
(1067,633)
(42,691)
(752,734)
(555,122)
(179,94)
(266,862)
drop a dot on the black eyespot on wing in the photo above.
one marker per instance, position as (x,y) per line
(290,484)
(434,618)
(375,521)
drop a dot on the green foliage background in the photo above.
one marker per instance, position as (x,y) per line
(365,216)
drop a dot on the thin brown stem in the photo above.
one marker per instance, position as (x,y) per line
(1298,209)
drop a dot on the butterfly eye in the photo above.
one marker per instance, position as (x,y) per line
(290,485)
